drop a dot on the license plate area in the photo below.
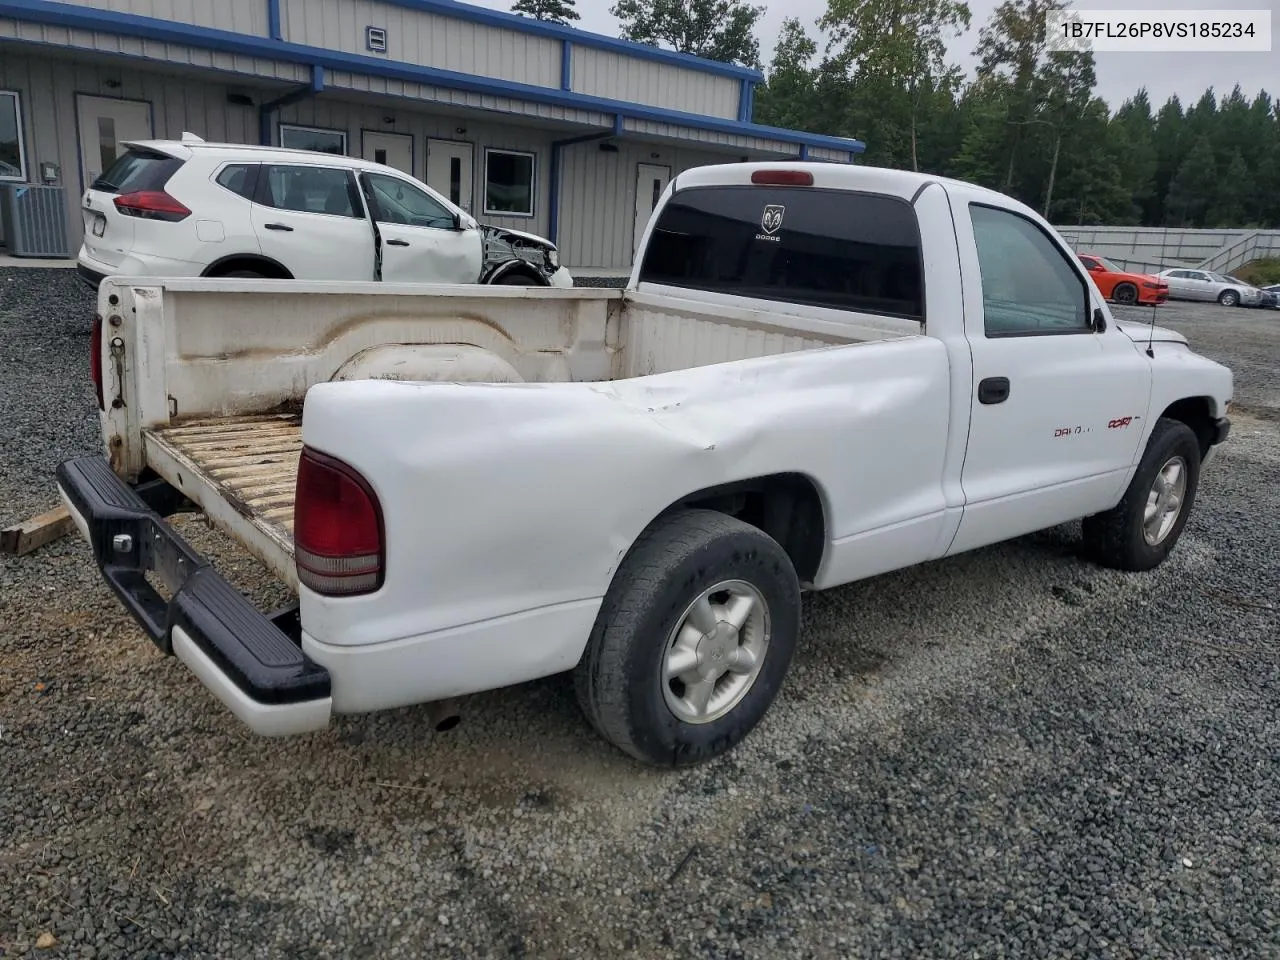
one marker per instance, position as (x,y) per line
(167,557)
(99,225)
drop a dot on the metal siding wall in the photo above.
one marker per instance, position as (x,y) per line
(423,38)
(49,86)
(152,50)
(730,141)
(352,118)
(241,16)
(598,197)
(605,74)
(362,83)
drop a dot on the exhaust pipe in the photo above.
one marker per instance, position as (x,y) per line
(443,715)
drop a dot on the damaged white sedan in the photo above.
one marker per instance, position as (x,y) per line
(817,373)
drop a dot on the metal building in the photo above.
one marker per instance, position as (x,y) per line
(526,124)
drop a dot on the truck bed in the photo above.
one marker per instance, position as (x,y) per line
(239,470)
(208,392)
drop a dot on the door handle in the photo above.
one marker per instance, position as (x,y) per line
(279,226)
(993,390)
(397,243)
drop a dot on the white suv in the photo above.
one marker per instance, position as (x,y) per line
(169,208)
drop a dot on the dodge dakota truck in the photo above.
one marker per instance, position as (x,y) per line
(816,373)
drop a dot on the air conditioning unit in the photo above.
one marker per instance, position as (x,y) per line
(34,220)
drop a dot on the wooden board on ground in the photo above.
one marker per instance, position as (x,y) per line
(36,532)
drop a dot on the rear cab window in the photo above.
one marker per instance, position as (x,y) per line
(136,170)
(826,248)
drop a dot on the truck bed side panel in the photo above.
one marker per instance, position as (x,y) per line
(578,470)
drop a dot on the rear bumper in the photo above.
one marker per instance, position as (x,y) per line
(90,276)
(249,661)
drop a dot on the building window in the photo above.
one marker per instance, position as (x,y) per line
(13,161)
(508,183)
(313,138)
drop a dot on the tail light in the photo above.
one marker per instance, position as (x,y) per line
(337,528)
(151,205)
(782,178)
(95,359)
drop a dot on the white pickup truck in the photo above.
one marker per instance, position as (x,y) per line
(817,373)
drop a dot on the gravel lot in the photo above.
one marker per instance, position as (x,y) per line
(1011,753)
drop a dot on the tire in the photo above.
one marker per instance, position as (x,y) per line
(620,680)
(1229,298)
(246,274)
(1125,293)
(1119,537)
(514,280)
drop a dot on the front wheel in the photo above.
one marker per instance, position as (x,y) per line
(1228,298)
(1140,531)
(693,640)
(514,280)
(1125,293)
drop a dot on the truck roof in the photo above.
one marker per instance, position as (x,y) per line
(842,176)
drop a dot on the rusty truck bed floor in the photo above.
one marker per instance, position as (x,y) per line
(249,463)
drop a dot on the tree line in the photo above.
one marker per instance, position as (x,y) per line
(1028,124)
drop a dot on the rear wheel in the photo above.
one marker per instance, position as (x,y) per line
(515,280)
(1228,298)
(693,639)
(1125,293)
(1140,531)
(247,274)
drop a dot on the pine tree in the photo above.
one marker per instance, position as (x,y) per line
(786,99)
(1192,187)
(552,11)
(1235,196)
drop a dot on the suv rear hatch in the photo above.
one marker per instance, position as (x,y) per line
(132,189)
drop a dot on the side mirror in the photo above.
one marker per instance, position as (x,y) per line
(1099,320)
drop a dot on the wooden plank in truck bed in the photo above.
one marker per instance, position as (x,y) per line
(241,471)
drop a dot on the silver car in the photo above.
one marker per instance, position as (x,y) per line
(1204,285)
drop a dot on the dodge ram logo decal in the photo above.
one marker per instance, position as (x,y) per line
(772,218)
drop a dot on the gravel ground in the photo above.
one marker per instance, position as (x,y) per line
(1011,753)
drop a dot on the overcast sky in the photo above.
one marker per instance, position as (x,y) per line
(1119,75)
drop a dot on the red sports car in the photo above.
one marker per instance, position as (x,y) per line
(1120,286)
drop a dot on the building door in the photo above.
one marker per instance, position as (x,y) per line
(392,149)
(449,164)
(651,180)
(104,125)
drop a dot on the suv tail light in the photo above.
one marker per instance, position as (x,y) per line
(337,528)
(783,178)
(95,358)
(151,205)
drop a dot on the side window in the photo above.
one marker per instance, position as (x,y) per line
(825,248)
(396,201)
(1028,285)
(307,190)
(239,178)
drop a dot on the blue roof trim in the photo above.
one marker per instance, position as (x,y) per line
(128,24)
(541,28)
